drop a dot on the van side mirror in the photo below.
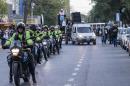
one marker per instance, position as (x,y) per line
(74,30)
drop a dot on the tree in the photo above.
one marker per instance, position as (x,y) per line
(49,8)
(105,10)
(3,8)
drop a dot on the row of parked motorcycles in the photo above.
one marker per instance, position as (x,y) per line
(19,57)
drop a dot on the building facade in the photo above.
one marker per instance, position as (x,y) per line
(17,6)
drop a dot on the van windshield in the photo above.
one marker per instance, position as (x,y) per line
(128,31)
(83,29)
(122,31)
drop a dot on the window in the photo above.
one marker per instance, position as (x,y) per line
(84,29)
(74,29)
(128,31)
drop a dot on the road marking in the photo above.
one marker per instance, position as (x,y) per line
(74,74)
(76,69)
(71,80)
(67,85)
(80,62)
(78,65)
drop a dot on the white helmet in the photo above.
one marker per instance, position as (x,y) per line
(21,23)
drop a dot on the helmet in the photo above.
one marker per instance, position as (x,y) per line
(52,27)
(57,27)
(45,27)
(21,25)
(38,28)
(33,27)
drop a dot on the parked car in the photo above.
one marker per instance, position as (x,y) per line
(128,40)
(82,33)
(121,32)
(124,39)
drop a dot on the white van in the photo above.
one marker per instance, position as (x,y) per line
(82,33)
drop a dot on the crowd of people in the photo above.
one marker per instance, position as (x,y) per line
(110,34)
(29,37)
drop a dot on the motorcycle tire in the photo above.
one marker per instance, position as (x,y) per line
(26,79)
(58,51)
(45,56)
(53,50)
(27,75)
(48,54)
(16,74)
(66,41)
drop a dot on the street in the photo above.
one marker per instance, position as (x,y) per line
(79,65)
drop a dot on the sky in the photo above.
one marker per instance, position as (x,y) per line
(83,6)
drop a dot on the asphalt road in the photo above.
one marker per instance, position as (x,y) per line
(79,65)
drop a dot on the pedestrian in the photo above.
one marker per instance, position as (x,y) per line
(104,35)
(110,36)
(114,34)
(5,36)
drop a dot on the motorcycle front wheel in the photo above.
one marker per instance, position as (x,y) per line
(16,74)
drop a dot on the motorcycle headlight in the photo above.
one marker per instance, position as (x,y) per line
(15,51)
(44,43)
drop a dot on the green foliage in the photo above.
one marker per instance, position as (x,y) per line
(3,8)
(49,8)
(105,10)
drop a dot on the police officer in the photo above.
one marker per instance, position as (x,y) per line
(58,34)
(25,37)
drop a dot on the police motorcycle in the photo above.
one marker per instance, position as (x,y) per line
(57,45)
(18,60)
(46,47)
(38,51)
(59,42)
(54,45)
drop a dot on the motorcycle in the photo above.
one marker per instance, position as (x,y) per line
(60,42)
(39,52)
(19,58)
(54,45)
(45,48)
(35,52)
